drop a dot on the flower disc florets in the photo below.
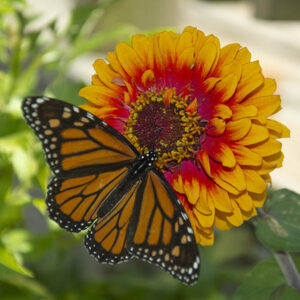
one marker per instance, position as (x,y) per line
(162,121)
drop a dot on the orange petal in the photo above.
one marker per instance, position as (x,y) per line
(256,134)
(192,107)
(246,157)
(177,183)
(255,183)
(168,94)
(236,130)
(209,84)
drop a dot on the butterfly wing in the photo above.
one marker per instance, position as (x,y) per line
(88,157)
(160,231)
(107,239)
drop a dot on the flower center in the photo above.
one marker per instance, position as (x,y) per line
(161,121)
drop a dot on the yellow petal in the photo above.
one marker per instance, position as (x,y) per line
(236,130)
(202,204)
(143,46)
(203,158)
(258,199)
(220,198)
(243,56)
(225,88)
(186,58)
(99,95)
(192,190)
(251,79)
(278,129)
(224,155)
(232,68)
(234,177)
(235,218)
(216,127)
(249,214)
(267,89)
(256,135)
(246,157)
(105,73)
(255,183)
(177,184)
(148,78)
(228,53)
(130,61)
(266,105)
(243,200)
(221,222)
(205,221)
(243,111)
(222,111)
(267,148)
(167,48)
(205,59)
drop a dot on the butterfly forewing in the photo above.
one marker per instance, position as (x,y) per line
(87,156)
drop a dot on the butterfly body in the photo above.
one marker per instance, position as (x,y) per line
(101,181)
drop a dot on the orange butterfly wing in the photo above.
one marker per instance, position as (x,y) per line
(89,159)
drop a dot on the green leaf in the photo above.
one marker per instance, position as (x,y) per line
(8,260)
(6,175)
(285,292)
(279,227)
(261,282)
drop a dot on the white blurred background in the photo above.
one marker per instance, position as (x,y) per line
(275,43)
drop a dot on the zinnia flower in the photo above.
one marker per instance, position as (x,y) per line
(205,109)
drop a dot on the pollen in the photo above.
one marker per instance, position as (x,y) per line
(163,122)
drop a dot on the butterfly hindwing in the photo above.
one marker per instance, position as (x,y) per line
(160,231)
(107,239)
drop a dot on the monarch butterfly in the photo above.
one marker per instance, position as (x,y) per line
(101,181)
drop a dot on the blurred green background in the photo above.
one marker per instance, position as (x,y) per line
(38,260)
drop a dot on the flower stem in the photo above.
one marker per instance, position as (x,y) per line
(288,268)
